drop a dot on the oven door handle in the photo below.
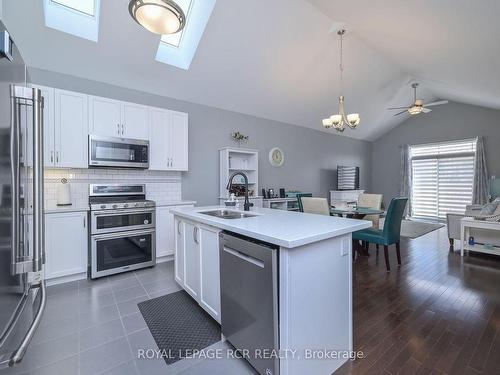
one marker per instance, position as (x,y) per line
(122,234)
(120,212)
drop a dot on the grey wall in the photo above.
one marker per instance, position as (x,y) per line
(447,122)
(311,156)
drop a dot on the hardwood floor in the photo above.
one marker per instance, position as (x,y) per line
(436,314)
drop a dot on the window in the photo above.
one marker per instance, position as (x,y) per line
(82,6)
(76,17)
(175,39)
(442,178)
(178,49)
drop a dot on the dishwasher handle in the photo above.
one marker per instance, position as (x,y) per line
(245,257)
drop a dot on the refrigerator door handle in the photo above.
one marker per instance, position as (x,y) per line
(15,145)
(38,221)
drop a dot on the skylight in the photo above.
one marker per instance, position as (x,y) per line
(76,17)
(175,39)
(83,6)
(179,49)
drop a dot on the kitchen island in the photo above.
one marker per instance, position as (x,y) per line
(312,278)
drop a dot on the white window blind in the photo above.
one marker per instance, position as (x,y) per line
(442,178)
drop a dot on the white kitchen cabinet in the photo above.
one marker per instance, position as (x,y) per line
(165,231)
(168,134)
(210,271)
(197,267)
(192,259)
(48,128)
(105,117)
(114,118)
(65,128)
(135,119)
(179,144)
(70,130)
(179,251)
(65,244)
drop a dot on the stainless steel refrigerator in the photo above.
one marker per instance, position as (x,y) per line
(22,289)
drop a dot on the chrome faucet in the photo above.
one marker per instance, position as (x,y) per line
(247,204)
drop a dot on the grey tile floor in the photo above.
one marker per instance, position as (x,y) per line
(95,327)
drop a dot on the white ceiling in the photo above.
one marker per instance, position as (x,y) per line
(278,60)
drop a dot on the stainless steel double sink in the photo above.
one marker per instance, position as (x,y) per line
(228,214)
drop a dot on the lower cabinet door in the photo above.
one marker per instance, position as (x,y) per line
(165,235)
(179,251)
(192,260)
(66,240)
(210,274)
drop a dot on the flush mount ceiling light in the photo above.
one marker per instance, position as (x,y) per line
(340,120)
(158,16)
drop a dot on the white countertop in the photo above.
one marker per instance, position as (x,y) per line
(161,203)
(283,228)
(60,209)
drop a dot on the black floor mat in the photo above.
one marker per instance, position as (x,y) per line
(178,323)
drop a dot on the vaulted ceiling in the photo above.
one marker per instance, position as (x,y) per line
(279,59)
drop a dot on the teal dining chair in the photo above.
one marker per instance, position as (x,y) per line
(299,199)
(390,234)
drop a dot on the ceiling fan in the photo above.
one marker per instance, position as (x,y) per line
(418,105)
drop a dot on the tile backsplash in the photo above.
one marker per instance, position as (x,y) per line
(161,186)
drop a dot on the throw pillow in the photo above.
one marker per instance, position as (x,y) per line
(488,209)
(496,215)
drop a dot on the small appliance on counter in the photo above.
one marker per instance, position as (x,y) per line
(64,193)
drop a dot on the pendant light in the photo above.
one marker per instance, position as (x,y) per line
(158,16)
(340,120)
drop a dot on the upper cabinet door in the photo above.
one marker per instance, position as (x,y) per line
(48,126)
(105,117)
(179,134)
(135,121)
(159,139)
(71,129)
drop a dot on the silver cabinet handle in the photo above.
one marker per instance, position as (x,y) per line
(51,156)
(57,156)
(118,129)
(179,227)
(123,127)
(84,222)
(195,235)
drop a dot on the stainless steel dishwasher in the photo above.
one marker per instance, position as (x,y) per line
(249,298)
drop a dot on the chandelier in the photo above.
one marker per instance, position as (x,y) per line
(340,120)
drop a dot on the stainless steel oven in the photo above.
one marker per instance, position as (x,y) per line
(120,220)
(122,229)
(117,252)
(118,152)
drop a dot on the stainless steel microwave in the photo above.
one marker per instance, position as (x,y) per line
(118,152)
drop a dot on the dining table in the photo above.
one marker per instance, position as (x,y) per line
(356,213)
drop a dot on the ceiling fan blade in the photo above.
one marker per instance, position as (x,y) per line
(426,110)
(439,102)
(400,113)
(398,108)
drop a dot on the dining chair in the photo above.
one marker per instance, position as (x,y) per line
(299,199)
(390,234)
(371,201)
(315,206)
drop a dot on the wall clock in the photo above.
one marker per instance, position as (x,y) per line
(276,157)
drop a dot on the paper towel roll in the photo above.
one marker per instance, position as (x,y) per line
(64,193)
